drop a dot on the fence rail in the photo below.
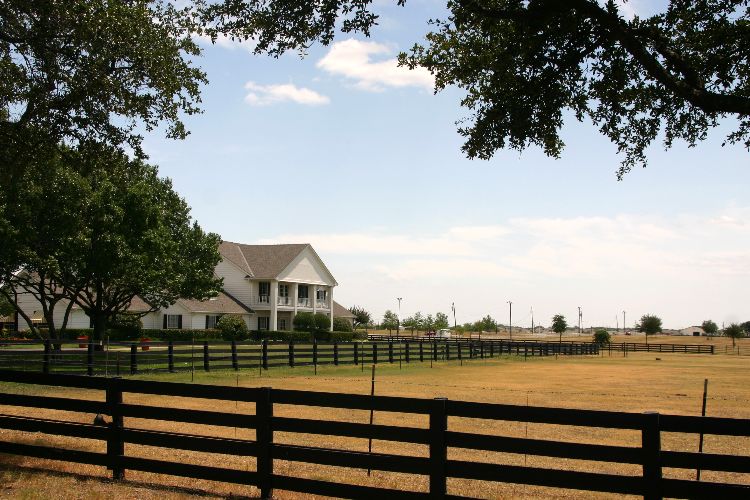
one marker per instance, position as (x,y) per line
(614,346)
(437,437)
(122,358)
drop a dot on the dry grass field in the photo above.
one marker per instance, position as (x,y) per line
(636,383)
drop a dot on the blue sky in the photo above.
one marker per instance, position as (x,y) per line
(345,151)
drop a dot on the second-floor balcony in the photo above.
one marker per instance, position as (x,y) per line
(304,302)
(321,304)
(285,301)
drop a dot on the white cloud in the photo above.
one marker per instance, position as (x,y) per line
(685,268)
(227,42)
(264,95)
(353,59)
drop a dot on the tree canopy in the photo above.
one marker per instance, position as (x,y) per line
(97,229)
(734,331)
(649,324)
(390,321)
(710,327)
(361,316)
(526,66)
(559,324)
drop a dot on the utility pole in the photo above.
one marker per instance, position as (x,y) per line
(532,320)
(624,328)
(580,315)
(510,319)
(453,308)
(398,325)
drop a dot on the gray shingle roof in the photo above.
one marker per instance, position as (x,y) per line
(340,311)
(221,304)
(261,261)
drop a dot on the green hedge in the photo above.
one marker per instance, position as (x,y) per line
(322,336)
(182,335)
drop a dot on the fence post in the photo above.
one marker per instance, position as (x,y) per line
(434,350)
(291,353)
(264,438)
(651,446)
(421,352)
(315,353)
(458,344)
(265,354)
(390,351)
(206,360)
(235,364)
(45,360)
(374,353)
(356,353)
(438,449)
(492,349)
(408,349)
(133,359)
(447,351)
(115,445)
(90,358)
(335,353)
(170,356)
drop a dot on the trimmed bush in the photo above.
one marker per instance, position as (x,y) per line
(232,327)
(322,321)
(341,325)
(304,322)
(125,327)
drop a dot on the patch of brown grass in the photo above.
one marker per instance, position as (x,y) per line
(636,383)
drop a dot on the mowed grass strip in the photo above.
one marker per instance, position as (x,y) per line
(636,383)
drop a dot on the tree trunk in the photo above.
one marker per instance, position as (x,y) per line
(100,325)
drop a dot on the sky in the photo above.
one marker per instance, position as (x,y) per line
(343,150)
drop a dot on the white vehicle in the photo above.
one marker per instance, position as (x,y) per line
(443,333)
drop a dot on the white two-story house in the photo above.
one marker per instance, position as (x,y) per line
(276,281)
(266,285)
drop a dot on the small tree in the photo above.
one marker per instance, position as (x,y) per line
(649,325)
(487,324)
(232,327)
(304,322)
(734,331)
(361,317)
(602,337)
(441,321)
(746,326)
(322,322)
(710,327)
(559,325)
(341,325)
(390,321)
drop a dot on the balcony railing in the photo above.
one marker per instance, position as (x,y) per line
(304,302)
(264,299)
(284,301)
(321,304)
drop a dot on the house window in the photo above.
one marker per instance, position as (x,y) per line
(263,322)
(172,321)
(283,290)
(302,292)
(282,324)
(321,294)
(264,291)
(212,320)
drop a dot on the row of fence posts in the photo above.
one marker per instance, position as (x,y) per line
(438,448)
(434,352)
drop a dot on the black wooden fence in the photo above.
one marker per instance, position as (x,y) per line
(437,438)
(118,358)
(614,346)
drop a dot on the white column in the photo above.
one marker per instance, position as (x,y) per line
(330,305)
(295,291)
(314,297)
(274,305)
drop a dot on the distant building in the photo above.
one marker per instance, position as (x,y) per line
(691,331)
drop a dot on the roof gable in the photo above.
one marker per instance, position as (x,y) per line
(266,261)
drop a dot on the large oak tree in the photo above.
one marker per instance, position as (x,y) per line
(527,65)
